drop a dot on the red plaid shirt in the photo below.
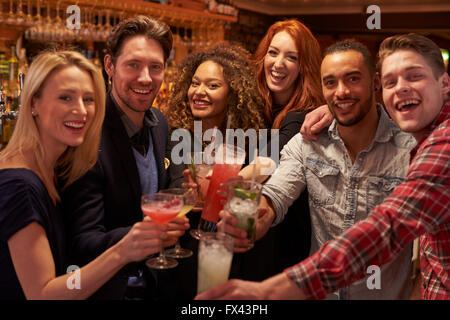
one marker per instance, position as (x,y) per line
(418,207)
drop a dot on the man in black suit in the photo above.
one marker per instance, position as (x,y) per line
(102,206)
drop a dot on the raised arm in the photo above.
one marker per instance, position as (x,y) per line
(418,205)
(315,122)
(35,268)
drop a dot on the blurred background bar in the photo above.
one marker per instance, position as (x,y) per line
(29,26)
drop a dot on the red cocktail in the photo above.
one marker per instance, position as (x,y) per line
(228,162)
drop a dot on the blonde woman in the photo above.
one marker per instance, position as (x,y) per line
(56,139)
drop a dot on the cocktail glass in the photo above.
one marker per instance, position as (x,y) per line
(228,160)
(201,168)
(190,198)
(215,253)
(161,208)
(243,198)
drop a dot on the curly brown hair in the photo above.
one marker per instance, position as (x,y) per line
(245,106)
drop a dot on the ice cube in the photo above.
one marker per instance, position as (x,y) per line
(245,207)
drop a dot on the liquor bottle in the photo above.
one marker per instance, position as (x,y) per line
(13,63)
(15,102)
(23,62)
(4,68)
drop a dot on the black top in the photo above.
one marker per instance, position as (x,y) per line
(290,126)
(24,199)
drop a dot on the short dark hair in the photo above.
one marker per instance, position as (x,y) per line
(139,25)
(415,42)
(352,44)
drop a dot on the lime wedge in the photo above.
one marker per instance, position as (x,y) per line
(239,192)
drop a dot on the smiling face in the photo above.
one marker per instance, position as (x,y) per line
(412,94)
(136,76)
(281,67)
(64,108)
(347,86)
(208,93)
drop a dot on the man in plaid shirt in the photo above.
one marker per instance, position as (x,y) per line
(416,94)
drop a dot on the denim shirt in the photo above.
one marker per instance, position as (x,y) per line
(342,193)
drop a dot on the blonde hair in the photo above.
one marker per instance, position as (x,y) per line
(75,161)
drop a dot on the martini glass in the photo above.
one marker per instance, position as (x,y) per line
(190,198)
(161,208)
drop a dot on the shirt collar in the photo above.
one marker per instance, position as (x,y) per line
(443,115)
(150,119)
(385,129)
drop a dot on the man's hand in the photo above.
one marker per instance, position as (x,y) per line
(227,224)
(275,288)
(265,218)
(316,121)
(234,290)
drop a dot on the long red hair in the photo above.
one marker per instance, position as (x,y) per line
(308,92)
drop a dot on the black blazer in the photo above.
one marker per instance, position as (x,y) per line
(101,207)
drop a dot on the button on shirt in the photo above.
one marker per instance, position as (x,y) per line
(342,193)
(418,207)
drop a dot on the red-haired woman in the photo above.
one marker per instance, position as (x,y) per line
(288,75)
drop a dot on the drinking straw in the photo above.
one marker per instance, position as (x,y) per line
(255,157)
(228,122)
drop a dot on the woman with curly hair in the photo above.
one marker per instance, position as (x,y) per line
(218,88)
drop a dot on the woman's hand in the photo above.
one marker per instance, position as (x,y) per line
(143,239)
(201,190)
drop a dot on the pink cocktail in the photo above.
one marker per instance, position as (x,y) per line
(161,208)
(159,213)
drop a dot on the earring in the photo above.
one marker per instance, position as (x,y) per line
(33,113)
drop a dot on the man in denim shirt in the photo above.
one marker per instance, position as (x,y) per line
(350,169)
